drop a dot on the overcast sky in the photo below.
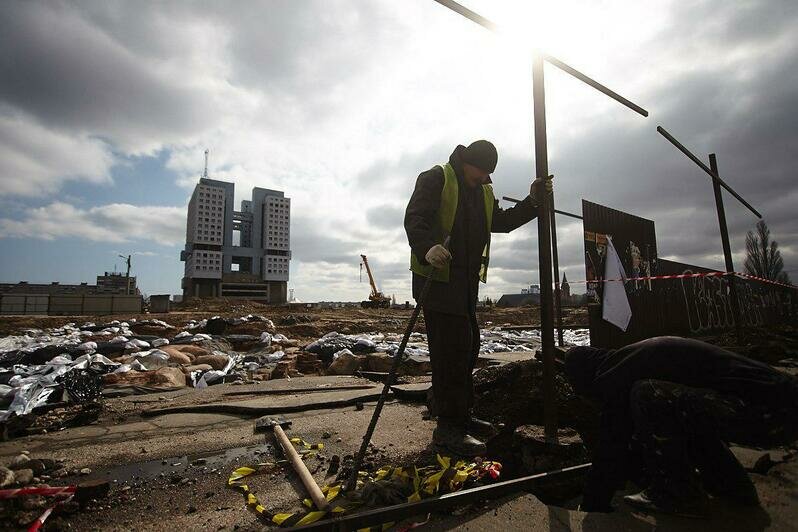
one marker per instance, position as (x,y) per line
(106,108)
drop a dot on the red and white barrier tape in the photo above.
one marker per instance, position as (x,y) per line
(59,491)
(688,276)
(39,522)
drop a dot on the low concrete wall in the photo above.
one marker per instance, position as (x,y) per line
(24,304)
(69,305)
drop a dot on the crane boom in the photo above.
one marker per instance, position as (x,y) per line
(376,299)
(374,290)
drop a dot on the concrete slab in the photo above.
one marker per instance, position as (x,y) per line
(412,392)
(275,404)
(779,512)
(526,512)
(506,357)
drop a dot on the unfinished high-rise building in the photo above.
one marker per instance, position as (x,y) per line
(238,254)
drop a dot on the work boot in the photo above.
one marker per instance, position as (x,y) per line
(453,438)
(482,429)
(740,493)
(685,501)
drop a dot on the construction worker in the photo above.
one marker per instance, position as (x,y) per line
(676,403)
(455,200)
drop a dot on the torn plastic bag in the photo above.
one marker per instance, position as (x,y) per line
(61,360)
(83,386)
(26,398)
(214,375)
(6,391)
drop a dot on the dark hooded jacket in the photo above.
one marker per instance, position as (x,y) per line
(608,375)
(468,237)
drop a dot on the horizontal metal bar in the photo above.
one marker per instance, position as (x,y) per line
(564,213)
(661,130)
(487,23)
(471,15)
(595,84)
(398,512)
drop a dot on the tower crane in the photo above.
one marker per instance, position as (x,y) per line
(376,298)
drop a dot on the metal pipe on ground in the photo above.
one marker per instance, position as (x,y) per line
(444,502)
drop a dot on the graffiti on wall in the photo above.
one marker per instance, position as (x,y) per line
(686,307)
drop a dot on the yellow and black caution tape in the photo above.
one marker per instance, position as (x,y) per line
(413,483)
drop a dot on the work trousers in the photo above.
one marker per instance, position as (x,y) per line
(453,348)
(682,429)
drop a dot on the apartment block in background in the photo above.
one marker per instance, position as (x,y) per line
(239,254)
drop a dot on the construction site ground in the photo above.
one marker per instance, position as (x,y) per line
(171,471)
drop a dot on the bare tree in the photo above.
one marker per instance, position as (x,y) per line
(764,258)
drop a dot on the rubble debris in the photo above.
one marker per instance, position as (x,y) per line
(162,377)
(512,394)
(217,361)
(294,319)
(345,363)
(6,477)
(23,477)
(763,464)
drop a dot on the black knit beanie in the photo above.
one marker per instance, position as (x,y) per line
(481,154)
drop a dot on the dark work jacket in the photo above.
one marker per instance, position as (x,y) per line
(608,375)
(468,237)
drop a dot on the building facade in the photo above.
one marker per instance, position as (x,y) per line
(116,283)
(239,254)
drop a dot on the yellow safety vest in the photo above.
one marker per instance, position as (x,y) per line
(445,221)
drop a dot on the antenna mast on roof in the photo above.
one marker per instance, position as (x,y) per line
(205,173)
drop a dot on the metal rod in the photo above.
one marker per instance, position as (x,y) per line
(661,130)
(564,213)
(556,264)
(595,84)
(544,253)
(487,23)
(724,238)
(471,15)
(351,482)
(398,512)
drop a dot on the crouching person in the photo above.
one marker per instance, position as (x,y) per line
(680,401)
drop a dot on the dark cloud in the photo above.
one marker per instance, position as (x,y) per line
(71,75)
(385,217)
(313,242)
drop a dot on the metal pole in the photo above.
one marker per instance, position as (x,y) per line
(544,253)
(724,238)
(556,264)
(488,24)
(595,84)
(564,213)
(661,130)
(127,277)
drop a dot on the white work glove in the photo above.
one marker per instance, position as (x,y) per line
(538,185)
(438,256)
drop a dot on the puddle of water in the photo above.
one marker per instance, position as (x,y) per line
(181,465)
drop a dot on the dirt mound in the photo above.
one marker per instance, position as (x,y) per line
(513,394)
(767,345)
